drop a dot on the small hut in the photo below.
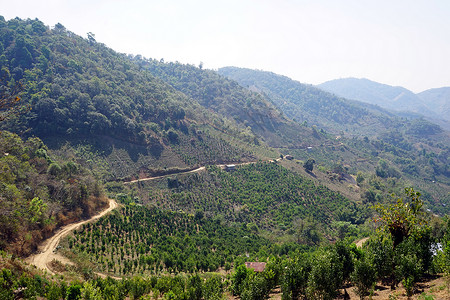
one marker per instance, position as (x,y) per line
(256,266)
(230,167)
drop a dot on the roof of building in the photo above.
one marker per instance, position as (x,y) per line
(257,266)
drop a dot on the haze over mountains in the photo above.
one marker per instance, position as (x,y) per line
(433,104)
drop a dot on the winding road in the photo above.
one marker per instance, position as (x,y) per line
(46,249)
(45,254)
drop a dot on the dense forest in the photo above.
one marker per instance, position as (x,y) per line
(89,96)
(307,177)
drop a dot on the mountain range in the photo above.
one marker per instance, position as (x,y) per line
(434,104)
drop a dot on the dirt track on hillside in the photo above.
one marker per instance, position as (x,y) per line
(163,176)
(191,171)
(45,253)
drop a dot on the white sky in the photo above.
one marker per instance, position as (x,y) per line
(396,42)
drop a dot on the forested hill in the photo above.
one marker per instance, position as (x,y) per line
(304,102)
(226,97)
(114,104)
(103,103)
(391,97)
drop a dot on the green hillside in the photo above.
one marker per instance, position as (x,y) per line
(141,240)
(265,194)
(39,193)
(366,138)
(313,173)
(306,103)
(227,98)
(101,102)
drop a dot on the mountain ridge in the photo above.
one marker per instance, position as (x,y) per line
(395,98)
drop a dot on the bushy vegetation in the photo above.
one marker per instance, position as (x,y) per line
(265,194)
(139,240)
(39,193)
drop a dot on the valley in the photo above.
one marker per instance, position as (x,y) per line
(115,171)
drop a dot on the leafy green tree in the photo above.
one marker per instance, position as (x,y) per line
(295,277)
(326,275)
(194,287)
(381,254)
(403,218)
(238,279)
(309,164)
(410,253)
(73,292)
(363,276)
(213,288)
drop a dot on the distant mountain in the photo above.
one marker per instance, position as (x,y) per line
(383,95)
(304,102)
(438,101)
(429,104)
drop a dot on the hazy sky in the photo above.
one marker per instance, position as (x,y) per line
(396,42)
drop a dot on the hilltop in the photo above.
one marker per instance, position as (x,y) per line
(432,104)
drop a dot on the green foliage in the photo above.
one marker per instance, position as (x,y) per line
(402,218)
(326,275)
(295,277)
(364,276)
(80,91)
(212,288)
(403,251)
(30,184)
(265,194)
(249,111)
(381,254)
(239,277)
(90,292)
(146,240)
(309,165)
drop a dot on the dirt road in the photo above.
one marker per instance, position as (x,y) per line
(361,242)
(191,171)
(45,254)
(163,176)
